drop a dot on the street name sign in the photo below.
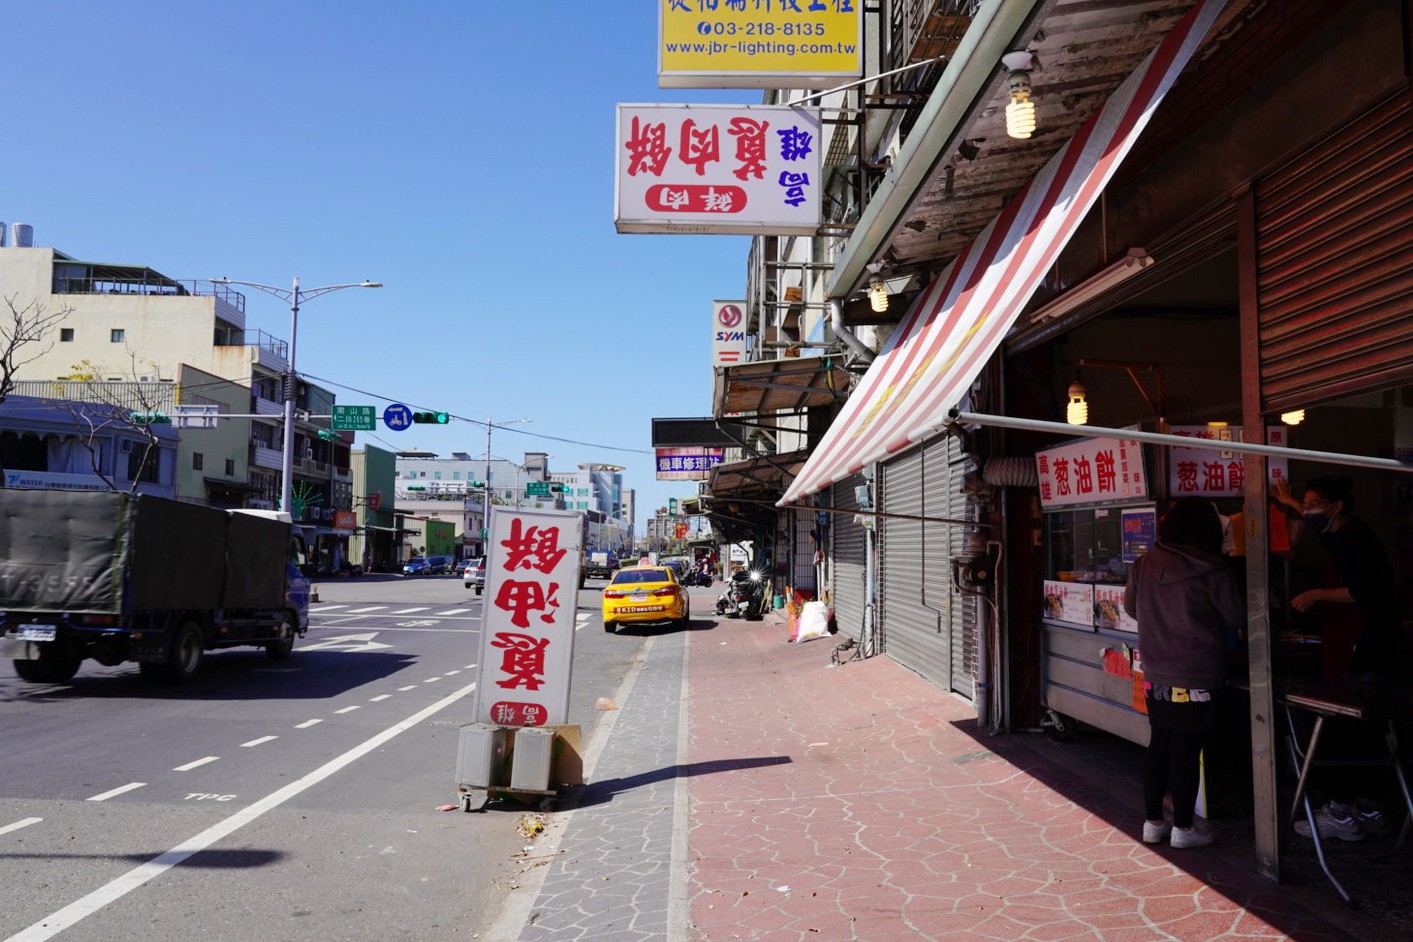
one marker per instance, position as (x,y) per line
(355,418)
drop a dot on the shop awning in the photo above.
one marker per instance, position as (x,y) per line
(763,478)
(790,384)
(956,324)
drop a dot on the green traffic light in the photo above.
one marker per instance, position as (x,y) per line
(431,418)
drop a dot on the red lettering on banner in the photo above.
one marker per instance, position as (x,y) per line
(519,598)
(524,660)
(533,548)
(1104,470)
(510,713)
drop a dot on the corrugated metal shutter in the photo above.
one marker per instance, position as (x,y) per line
(802,556)
(1334,248)
(924,624)
(848,560)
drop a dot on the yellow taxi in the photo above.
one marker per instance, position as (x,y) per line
(645,595)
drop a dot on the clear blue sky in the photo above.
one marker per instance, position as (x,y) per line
(461,152)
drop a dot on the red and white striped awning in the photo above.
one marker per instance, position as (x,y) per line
(958,322)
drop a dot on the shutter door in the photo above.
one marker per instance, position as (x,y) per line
(802,556)
(1334,246)
(944,470)
(848,560)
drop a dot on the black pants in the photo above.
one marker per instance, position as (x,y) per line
(1178,733)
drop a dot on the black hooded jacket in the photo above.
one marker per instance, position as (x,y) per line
(1185,600)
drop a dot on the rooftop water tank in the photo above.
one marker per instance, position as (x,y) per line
(22,235)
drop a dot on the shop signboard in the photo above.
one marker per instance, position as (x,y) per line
(1208,470)
(527,641)
(345,520)
(721,169)
(728,339)
(789,44)
(687,464)
(1091,471)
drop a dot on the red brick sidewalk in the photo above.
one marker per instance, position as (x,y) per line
(861,803)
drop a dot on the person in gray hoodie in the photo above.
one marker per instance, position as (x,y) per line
(1186,600)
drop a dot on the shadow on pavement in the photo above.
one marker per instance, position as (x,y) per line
(600,792)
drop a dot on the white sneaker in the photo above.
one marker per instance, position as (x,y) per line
(1332,824)
(1191,837)
(1155,832)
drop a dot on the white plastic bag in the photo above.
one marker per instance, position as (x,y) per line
(813,621)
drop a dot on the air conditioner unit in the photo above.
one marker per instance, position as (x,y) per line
(147,379)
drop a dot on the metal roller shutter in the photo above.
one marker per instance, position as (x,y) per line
(944,470)
(1334,247)
(848,560)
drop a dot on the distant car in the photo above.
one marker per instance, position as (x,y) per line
(645,595)
(461,565)
(417,566)
(473,576)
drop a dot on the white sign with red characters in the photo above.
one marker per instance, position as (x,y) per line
(527,631)
(1210,470)
(1091,471)
(742,169)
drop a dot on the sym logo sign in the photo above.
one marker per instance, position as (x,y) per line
(728,343)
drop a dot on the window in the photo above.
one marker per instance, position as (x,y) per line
(142,463)
(456,475)
(437,475)
(117,335)
(66,335)
(230,467)
(198,461)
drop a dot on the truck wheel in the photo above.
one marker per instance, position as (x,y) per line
(52,667)
(280,648)
(184,657)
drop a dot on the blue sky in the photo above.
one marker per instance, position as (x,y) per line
(462,153)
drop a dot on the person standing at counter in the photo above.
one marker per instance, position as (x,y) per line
(1186,600)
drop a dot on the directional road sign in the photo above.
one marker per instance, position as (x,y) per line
(397,417)
(537,489)
(355,418)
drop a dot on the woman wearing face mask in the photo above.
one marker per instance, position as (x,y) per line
(1358,599)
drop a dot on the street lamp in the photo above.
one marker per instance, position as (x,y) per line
(490,424)
(294,296)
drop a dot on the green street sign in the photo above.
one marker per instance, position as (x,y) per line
(355,418)
(537,489)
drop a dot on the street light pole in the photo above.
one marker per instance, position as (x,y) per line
(490,424)
(293,295)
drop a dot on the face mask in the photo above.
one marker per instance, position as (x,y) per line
(1317,520)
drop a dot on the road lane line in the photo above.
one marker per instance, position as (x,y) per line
(370,608)
(431,680)
(453,611)
(257,742)
(22,823)
(329,608)
(381,696)
(307,723)
(61,919)
(347,709)
(450,673)
(117,791)
(407,688)
(409,611)
(192,765)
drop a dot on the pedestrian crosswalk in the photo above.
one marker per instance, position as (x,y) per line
(344,609)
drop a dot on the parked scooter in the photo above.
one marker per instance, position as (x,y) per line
(744,596)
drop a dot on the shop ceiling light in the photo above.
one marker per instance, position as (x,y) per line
(1293,417)
(1125,268)
(1077,409)
(1020,113)
(878,294)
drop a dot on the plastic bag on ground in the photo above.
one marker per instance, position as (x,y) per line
(813,621)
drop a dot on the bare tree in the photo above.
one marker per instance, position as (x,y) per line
(104,408)
(24,326)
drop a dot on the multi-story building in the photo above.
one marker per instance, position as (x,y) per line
(133,324)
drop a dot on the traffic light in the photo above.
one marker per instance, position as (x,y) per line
(149,418)
(430,418)
(329,436)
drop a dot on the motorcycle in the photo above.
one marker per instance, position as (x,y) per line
(744,596)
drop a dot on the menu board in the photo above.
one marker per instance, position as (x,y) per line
(1070,601)
(1140,532)
(1109,609)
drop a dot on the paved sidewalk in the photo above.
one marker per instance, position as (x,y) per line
(747,790)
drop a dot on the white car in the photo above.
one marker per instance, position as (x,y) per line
(474,576)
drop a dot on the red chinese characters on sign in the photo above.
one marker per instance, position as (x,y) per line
(1091,471)
(1208,470)
(535,549)
(524,661)
(509,713)
(696,198)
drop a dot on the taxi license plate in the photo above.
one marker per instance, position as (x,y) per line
(35,633)
(639,597)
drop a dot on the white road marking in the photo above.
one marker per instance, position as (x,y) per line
(192,765)
(409,611)
(358,642)
(470,667)
(450,673)
(329,608)
(117,791)
(453,611)
(22,823)
(407,688)
(370,608)
(431,680)
(347,709)
(581,620)
(307,723)
(257,742)
(62,919)
(381,696)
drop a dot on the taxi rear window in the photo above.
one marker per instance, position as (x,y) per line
(627,576)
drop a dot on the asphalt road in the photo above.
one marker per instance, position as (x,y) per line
(292,800)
